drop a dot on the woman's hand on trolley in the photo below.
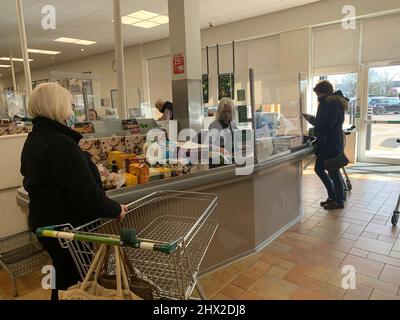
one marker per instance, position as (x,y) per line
(124,210)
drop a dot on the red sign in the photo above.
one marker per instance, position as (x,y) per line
(178,62)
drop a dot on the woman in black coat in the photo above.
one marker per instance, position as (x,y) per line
(328,126)
(64,186)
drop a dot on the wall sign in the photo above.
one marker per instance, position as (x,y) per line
(178,63)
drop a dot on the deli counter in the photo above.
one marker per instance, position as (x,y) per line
(253,208)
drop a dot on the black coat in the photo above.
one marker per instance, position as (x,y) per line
(328,125)
(63,184)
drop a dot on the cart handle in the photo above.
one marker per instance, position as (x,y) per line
(127,238)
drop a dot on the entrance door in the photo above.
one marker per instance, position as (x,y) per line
(380,125)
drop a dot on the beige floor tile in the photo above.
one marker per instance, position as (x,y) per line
(38,294)
(349,236)
(364,266)
(303,281)
(397,245)
(359,252)
(382,229)
(367,217)
(333,292)
(221,297)
(305,294)
(251,296)
(377,284)
(243,282)
(385,259)
(355,229)
(257,270)
(278,261)
(374,246)
(277,272)
(273,288)
(318,272)
(360,293)
(395,254)
(232,291)
(382,295)
(388,239)
(216,281)
(391,274)
(369,235)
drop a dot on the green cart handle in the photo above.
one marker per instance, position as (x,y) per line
(127,238)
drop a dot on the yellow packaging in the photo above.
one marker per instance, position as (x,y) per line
(121,159)
(142,171)
(131,180)
(113,156)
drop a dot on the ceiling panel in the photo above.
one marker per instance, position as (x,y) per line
(91,20)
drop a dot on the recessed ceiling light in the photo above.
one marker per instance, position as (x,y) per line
(67,40)
(160,19)
(143,15)
(14,59)
(129,20)
(43,51)
(146,24)
(75,41)
(4,66)
(82,49)
(52,58)
(85,42)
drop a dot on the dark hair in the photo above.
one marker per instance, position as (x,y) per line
(324,87)
(95,112)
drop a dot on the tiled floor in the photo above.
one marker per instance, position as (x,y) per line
(306,261)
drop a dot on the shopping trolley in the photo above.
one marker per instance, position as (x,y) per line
(165,236)
(396,212)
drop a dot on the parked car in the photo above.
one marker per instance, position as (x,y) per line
(382,105)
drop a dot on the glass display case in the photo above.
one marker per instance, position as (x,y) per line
(85,90)
(13,105)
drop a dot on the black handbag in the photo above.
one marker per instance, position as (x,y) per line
(338,162)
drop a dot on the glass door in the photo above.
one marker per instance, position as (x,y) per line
(381,115)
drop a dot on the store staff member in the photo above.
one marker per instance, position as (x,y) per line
(64,186)
(166,108)
(225,126)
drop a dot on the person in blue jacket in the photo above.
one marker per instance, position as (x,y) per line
(328,127)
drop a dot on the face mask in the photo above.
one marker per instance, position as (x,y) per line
(71,121)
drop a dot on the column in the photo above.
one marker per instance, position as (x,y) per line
(24,49)
(185,44)
(119,58)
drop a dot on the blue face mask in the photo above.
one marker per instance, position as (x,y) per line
(71,121)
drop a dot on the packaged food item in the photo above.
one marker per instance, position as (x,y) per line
(113,156)
(121,159)
(142,171)
(131,180)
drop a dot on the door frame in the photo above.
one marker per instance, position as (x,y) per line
(363,105)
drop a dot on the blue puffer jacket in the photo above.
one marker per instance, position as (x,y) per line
(328,125)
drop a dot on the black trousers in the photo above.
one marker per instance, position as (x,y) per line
(67,274)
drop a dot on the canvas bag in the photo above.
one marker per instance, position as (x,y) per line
(92,290)
(338,162)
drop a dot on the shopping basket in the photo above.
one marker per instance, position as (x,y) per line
(165,236)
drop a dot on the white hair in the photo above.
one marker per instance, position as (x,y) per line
(221,105)
(50,100)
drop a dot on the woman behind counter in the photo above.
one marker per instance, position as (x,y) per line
(63,184)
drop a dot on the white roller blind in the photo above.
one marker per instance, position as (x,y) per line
(336,49)
(381,39)
(160,81)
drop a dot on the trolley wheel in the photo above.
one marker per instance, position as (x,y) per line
(395,218)
(349,185)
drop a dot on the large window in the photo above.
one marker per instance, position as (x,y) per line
(347,83)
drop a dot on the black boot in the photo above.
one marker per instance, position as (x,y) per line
(333,206)
(328,201)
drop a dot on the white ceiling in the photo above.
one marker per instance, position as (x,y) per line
(91,20)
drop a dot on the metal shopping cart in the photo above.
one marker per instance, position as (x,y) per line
(165,236)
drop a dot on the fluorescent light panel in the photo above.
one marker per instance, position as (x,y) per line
(144,19)
(14,59)
(143,15)
(4,66)
(49,52)
(75,41)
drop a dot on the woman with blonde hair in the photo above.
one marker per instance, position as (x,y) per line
(223,127)
(63,184)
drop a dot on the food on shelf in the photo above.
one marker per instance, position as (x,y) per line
(131,180)
(142,171)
